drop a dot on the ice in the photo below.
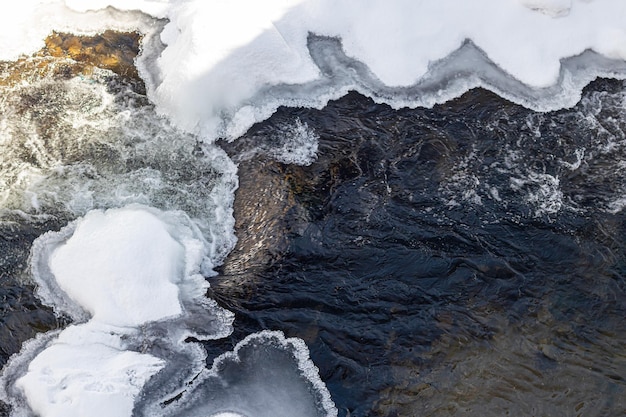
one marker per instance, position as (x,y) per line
(222,88)
(155,8)
(266,375)
(86,371)
(125,267)
(233,38)
(140,285)
(224,65)
(131,279)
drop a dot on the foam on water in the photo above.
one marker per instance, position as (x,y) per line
(74,145)
(290,143)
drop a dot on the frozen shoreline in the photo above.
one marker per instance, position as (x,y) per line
(215,69)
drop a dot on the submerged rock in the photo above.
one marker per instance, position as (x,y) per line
(110,50)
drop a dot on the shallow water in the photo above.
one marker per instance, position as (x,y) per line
(463,260)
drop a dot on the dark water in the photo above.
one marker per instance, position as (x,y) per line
(462,260)
(21,314)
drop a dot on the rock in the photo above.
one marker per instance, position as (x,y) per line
(66,55)
(110,50)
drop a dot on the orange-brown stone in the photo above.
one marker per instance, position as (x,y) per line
(66,55)
(110,50)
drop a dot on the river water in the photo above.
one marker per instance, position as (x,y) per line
(461,260)
(467,259)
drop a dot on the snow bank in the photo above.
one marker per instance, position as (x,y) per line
(224,61)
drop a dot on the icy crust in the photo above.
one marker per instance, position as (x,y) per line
(124,267)
(217,67)
(226,66)
(15,369)
(131,278)
(266,374)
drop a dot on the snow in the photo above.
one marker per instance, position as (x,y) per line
(85,372)
(122,266)
(221,57)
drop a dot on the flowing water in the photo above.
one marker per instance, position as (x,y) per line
(467,259)
(462,260)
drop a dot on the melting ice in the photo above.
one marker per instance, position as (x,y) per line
(131,277)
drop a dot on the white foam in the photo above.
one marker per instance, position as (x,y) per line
(543,192)
(293,142)
(298,144)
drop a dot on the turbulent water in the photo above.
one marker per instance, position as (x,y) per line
(462,260)
(465,259)
(83,145)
